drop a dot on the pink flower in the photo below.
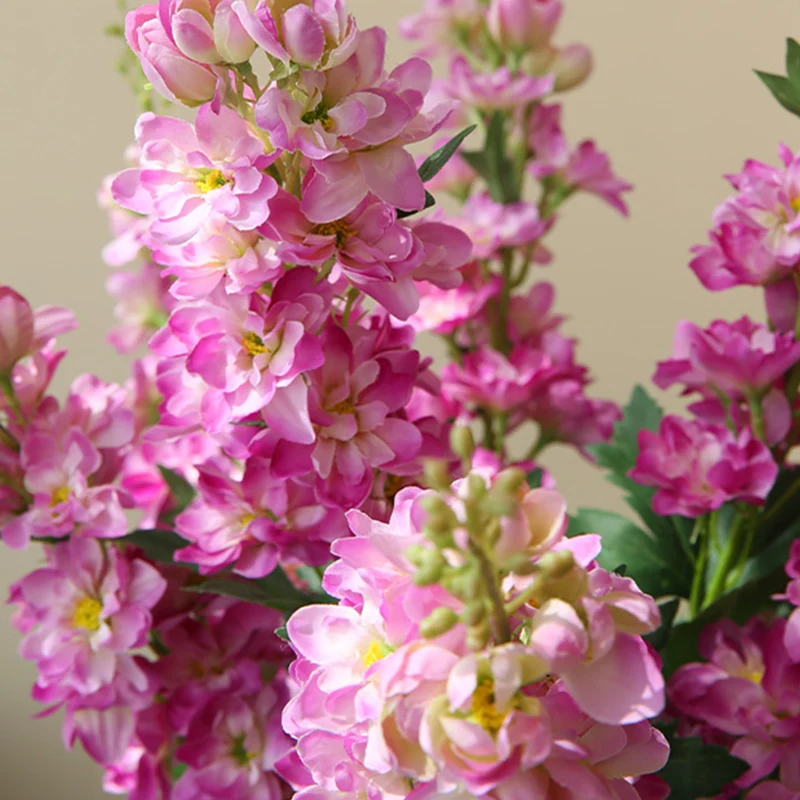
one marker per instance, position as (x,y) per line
(142,306)
(209,31)
(172,74)
(23,331)
(437,26)
(192,178)
(747,690)
(232,747)
(251,522)
(242,260)
(356,400)
(523,24)
(92,607)
(493,226)
(500,89)
(736,358)
(319,34)
(698,467)
(57,476)
(374,250)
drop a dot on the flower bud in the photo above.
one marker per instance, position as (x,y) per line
(572,66)
(478,635)
(430,571)
(303,36)
(16,328)
(556,564)
(462,442)
(474,613)
(194,35)
(172,74)
(476,486)
(523,24)
(521,564)
(438,622)
(436,475)
(509,481)
(232,41)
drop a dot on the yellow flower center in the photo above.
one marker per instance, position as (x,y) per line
(795,204)
(60,495)
(484,711)
(339,228)
(211,179)
(254,344)
(87,614)
(344,407)
(377,651)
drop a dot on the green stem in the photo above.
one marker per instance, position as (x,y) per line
(797,318)
(11,397)
(500,436)
(756,416)
(784,499)
(523,597)
(352,296)
(542,441)
(718,580)
(499,333)
(733,578)
(488,428)
(502,627)
(701,531)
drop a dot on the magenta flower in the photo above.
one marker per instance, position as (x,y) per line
(57,476)
(436,27)
(492,226)
(745,689)
(698,467)
(232,746)
(172,74)
(251,522)
(192,178)
(247,351)
(737,358)
(500,89)
(92,608)
(356,399)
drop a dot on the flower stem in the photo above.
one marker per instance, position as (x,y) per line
(702,532)
(756,416)
(502,627)
(719,579)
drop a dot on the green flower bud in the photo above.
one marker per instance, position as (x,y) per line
(436,475)
(431,569)
(438,623)
(462,442)
(474,613)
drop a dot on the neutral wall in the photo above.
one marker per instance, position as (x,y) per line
(673,100)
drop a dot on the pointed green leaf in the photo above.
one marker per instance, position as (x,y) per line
(659,637)
(434,162)
(181,490)
(158,545)
(477,160)
(782,90)
(793,61)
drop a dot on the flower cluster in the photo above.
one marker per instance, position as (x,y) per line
(275,253)
(475,652)
(744,696)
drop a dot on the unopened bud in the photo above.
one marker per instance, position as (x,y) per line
(476,486)
(16,327)
(416,554)
(572,66)
(436,474)
(499,504)
(509,481)
(462,442)
(523,24)
(438,622)
(478,635)
(521,564)
(430,570)
(474,613)
(556,564)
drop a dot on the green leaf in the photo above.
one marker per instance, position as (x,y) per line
(430,200)
(252,423)
(434,162)
(181,490)
(698,770)
(311,577)
(658,566)
(282,633)
(477,160)
(786,93)
(158,545)
(275,591)
(793,61)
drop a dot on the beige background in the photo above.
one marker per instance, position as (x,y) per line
(673,100)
